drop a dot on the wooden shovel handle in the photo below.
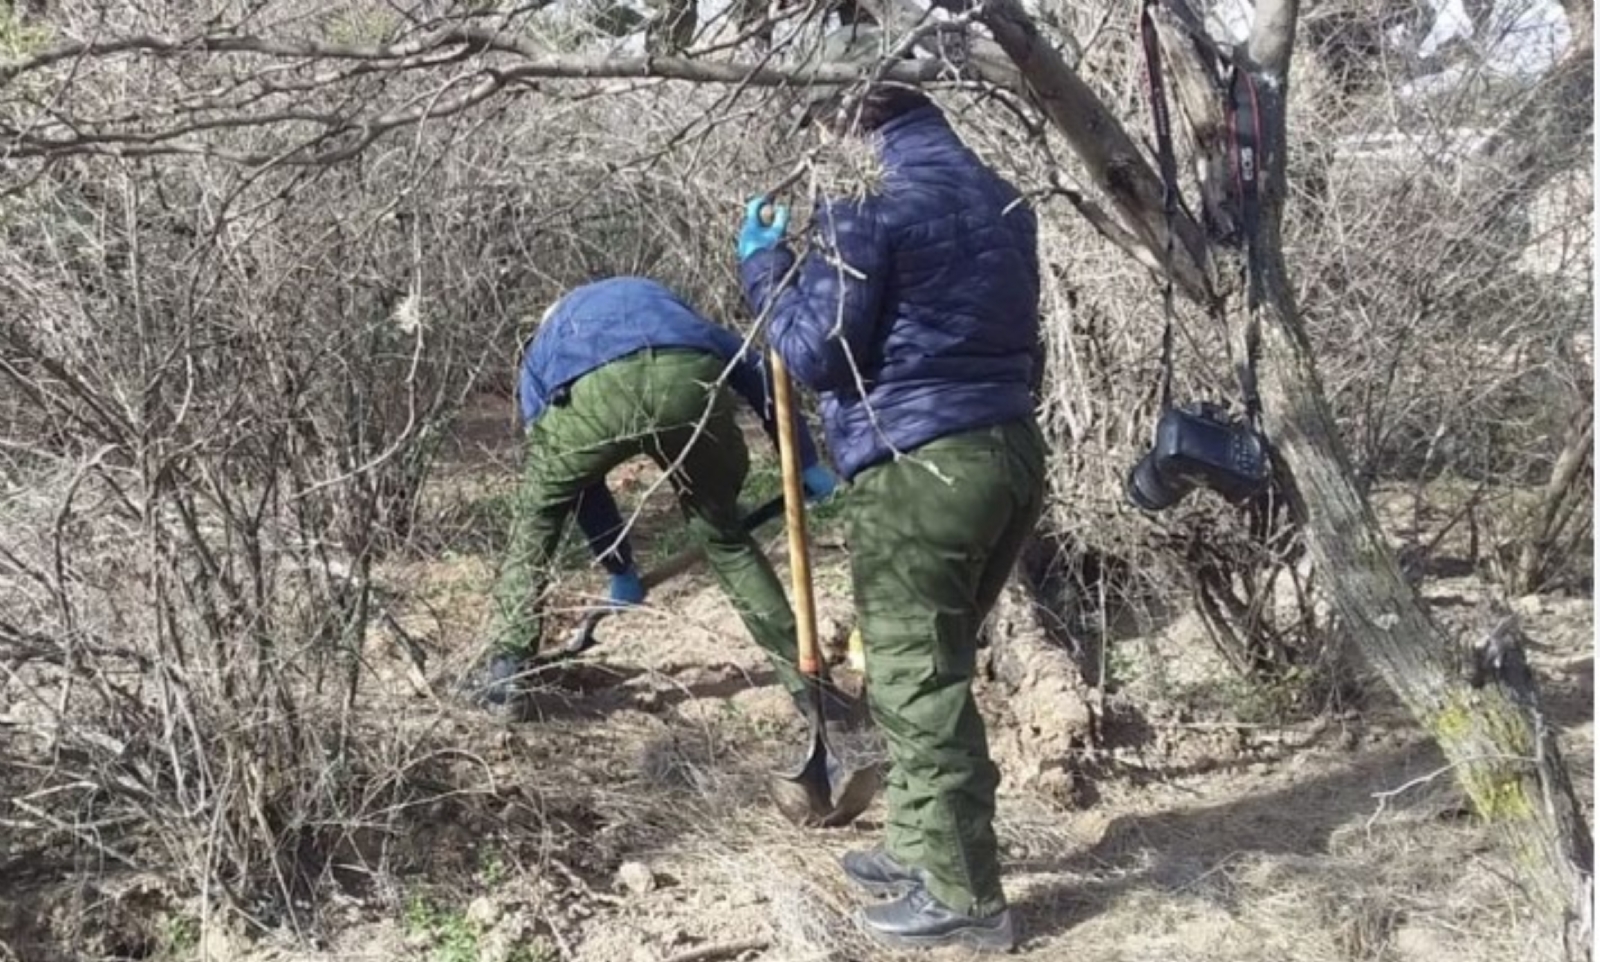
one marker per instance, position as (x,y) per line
(794,505)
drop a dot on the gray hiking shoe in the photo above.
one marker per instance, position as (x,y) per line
(917,920)
(879,872)
(497,686)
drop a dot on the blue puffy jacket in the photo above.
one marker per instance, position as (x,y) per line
(601,322)
(931,326)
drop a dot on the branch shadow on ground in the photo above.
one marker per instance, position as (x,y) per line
(1568,693)
(1175,850)
(591,690)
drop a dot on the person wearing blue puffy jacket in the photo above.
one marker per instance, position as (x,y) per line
(619,368)
(914,314)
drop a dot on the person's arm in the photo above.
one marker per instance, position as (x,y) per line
(825,322)
(601,524)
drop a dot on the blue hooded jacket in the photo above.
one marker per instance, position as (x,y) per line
(601,322)
(915,314)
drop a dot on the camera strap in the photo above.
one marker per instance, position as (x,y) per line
(1244,132)
(1244,110)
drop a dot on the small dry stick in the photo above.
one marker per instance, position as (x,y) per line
(1385,797)
(720,950)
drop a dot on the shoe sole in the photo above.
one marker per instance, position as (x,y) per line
(999,940)
(514,709)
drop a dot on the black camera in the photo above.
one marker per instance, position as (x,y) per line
(1199,445)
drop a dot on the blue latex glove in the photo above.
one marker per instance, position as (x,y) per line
(819,482)
(756,236)
(626,589)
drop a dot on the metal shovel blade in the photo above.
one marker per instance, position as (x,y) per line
(822,793)
(803,795)
(853,791)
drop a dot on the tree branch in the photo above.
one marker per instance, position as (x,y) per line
(1549,134)
(132,136)
(538,60)
(984,55)
(1114,161)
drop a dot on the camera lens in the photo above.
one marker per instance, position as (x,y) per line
(1148,490)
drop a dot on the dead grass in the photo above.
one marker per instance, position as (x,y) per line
(1294,857)
(1270,856)
(1208,843)
(1292,864)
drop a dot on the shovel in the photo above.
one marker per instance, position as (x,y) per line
(822,791)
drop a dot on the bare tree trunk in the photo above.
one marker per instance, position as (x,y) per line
(1563,493)
(1113,159)
(1551,133)
(1580,20)
(1490,726)
(1493,734)
(1500,749)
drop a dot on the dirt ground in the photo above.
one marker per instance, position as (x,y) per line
(1344,840)
(630,822)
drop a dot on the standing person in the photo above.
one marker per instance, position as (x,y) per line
(619,368)
(915,316)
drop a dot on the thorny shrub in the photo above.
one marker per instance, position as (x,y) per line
(227,385)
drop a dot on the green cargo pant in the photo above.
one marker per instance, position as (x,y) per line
(930,552)
(653,403)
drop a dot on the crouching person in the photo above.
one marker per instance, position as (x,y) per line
(620,368)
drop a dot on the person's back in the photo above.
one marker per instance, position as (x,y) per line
(937,298)
(602,321)
(963,317)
